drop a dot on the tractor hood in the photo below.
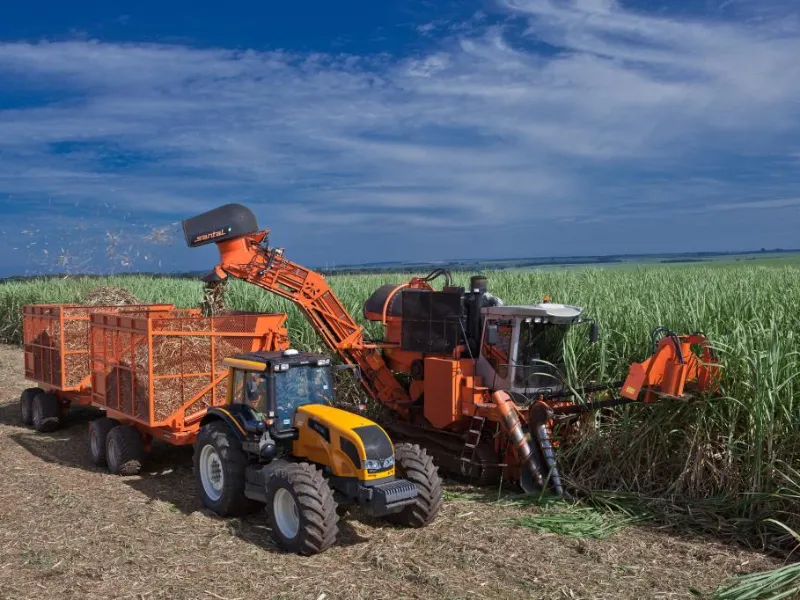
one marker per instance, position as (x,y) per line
(354,445)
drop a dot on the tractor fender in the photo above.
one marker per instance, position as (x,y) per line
(232,415)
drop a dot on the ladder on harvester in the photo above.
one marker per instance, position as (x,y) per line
(471,443)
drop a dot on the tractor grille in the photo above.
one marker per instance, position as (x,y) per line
(396,491)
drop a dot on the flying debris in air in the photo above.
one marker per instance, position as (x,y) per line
(159,235)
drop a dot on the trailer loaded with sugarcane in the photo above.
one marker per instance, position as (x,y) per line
(257,412)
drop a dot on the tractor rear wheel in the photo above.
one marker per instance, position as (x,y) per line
(219,469)
(26,404)
(302,510)
(124,450)
(414,464)
(98,435)
(46,412)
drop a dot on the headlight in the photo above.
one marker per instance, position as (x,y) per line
(379,465)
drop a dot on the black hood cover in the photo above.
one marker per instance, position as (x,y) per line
(220,224)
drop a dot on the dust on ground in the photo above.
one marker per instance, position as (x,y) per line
(71,530)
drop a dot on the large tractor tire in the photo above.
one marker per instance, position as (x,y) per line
(26,405)
(46,412)
(124,450)
(302,510)
(413,463)
(98,436)
(219,469)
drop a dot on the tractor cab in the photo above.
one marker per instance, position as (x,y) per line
(522,346)
(275,384)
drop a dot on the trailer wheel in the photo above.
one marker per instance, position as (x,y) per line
(301,509)
(413,463)
(26,404)
(46,412)
(98,436)
(124,450)
(219,467)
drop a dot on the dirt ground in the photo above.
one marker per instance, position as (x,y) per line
(70,530)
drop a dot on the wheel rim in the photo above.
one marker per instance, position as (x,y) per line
(37,412)
(211,473)
(287,517)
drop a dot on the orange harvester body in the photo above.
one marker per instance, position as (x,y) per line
(444,385)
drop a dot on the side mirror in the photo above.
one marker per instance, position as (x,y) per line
(593,333)
(492,336)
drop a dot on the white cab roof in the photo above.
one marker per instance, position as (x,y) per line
(553,313)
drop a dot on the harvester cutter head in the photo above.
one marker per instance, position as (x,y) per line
(680,366)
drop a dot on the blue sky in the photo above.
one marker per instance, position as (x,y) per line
(410,130)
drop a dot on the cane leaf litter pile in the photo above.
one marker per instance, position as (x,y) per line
(722,466)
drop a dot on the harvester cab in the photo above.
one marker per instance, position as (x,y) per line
(522,346)
(280,442)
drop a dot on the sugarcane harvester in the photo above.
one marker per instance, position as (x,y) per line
(472,380)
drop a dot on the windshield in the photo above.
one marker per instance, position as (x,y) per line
(299,386)
(539,343)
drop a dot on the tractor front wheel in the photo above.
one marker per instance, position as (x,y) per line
(302,510)
(414,464)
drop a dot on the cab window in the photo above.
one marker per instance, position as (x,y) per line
(499,354)
(300,386)
(255,391)
(237,393)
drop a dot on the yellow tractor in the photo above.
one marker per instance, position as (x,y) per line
(279,442)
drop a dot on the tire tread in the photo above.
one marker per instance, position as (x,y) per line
(130,450)
(233,502)
(319,519)
(417,466)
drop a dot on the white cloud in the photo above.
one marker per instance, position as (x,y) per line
(487,129)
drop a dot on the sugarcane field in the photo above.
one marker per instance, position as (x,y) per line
(658,507)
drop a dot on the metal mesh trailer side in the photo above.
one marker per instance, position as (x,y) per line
(165,371)
(56,341)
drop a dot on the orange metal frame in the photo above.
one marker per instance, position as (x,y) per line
(40,320)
